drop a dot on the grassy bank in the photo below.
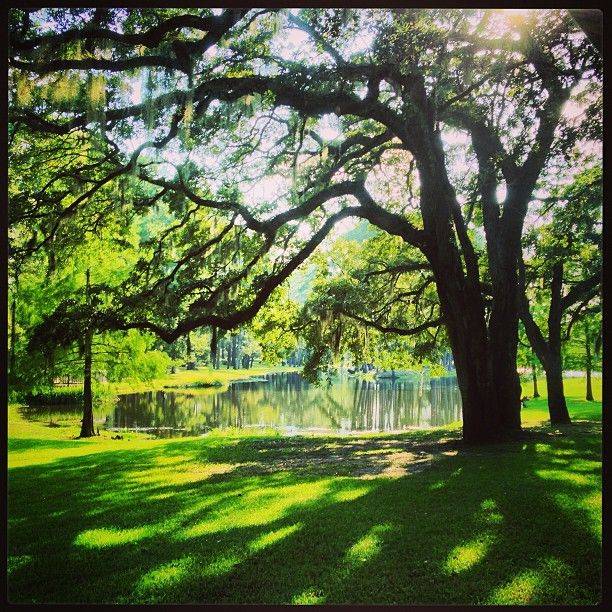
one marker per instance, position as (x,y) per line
(255,517)
(189,378)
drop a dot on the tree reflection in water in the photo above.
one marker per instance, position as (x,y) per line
(286,400)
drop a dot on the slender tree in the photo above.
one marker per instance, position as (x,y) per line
(566,255)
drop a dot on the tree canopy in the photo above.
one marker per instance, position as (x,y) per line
(224,147)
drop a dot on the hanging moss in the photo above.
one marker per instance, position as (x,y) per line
(187,119)
(96,101)
(66,88)
(97,90)
(188,113)
(150,110)
(23,89)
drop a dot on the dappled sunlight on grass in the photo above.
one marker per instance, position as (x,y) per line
(257,507)
(577,479)
(533,585)
(488,513)
(350,494)
(308,597)
(165,575)
(99,538)
(272,537)
(591,504)
(466,555)
(367,546)
(519,590)
(254,518)
(18,561)
(221,565)
(180,473)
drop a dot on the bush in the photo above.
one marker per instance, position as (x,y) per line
(59,396)
(63,396)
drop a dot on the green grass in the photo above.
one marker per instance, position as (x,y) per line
(259,518)
(536,410)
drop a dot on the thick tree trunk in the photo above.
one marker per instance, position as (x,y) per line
(490,389)
(504,247)
(480,418)
(589,367)
(534,378)
(503,337)
(87,424)
(557,406)
(464,318)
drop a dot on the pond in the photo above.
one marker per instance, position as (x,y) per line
(287,402)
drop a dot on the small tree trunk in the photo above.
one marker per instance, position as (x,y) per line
(534,378)
(87,426)
(214,349)
(13,336)
(589,366)
(234,351)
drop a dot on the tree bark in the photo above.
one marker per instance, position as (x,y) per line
(503,338)
(234,352)
(214,349)
(11,362)
(481,422)
(488,414)
(549,351)
(87,424)
(534,378)
(557,405)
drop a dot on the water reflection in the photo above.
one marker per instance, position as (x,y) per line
(288,402)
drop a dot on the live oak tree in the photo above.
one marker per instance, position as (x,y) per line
(223,103)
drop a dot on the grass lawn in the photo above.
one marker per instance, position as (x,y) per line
(259,518)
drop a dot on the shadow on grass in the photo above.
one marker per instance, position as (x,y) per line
(263,521)
(26,444)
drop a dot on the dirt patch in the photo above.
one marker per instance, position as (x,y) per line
(363,458)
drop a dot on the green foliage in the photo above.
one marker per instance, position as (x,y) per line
(362,291)
(273,326)
(134,358)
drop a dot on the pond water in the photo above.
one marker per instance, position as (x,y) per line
(287,402)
